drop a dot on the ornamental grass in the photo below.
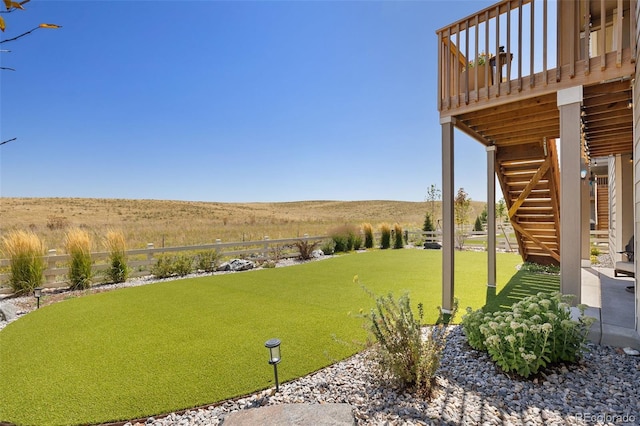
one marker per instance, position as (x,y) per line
(398,240)
(118,270)
(77,243)
(25,251)
(367,229)
(385,236)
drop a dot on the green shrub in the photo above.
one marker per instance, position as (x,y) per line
(428,224)
(168,266)
(268,264)
(536,268)
(477,225)
(25,252)
(385,236)
(118,270)
(404,352)
(398,240)
(328,247)
(538,331)
(306,248)
(77,243)
(367,229)
(183,265)
(595,251)
(344,238)
(207,260)
(357,242)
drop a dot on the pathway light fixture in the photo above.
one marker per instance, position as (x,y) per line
(37,293)
(274,357)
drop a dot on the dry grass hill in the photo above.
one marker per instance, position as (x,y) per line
(179,223)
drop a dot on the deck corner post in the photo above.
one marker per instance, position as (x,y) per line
(569,102)
(448,245)
(491,216)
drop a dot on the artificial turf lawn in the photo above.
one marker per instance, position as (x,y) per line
(153,349)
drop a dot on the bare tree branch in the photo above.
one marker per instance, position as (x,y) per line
(21,35)
(7,141)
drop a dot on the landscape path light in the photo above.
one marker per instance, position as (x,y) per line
(37,293)
(274,357)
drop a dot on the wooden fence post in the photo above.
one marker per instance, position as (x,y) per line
(51,264)
(150,254)
(265,253)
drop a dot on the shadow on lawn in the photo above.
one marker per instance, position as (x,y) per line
(521,285)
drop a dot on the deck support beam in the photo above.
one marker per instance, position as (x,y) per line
(491,216)
(569,103)
(448,230)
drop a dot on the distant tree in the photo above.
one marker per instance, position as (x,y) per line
(501,210)
(478,225)
(433,195)
(461,208)
(484,214)
(428,223)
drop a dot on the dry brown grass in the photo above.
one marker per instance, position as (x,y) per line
(180,223)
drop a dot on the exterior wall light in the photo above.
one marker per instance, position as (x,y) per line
(274,357)
(37,293)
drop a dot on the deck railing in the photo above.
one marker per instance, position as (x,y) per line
(520,46)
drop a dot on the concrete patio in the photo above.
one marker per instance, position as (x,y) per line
(612,305)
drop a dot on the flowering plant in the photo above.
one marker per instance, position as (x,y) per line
(538,331)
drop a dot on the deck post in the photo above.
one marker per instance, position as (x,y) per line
(569,102)
(448,245)
(491,216)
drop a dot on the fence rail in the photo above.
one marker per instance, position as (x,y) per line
(142,260)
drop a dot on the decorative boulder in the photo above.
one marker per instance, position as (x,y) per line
(317,254)
(7,312)
(236,265)
(432,245)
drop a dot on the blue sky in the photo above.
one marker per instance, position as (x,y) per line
(233,101)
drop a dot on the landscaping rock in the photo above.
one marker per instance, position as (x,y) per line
(432,245)
(316,254)
(7,312)
(236,265)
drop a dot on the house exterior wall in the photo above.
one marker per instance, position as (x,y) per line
(614,236)
(636,170)
(627,202)
(621,204)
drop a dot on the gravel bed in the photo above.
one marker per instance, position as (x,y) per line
(602,389)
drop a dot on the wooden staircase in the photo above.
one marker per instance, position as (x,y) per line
(529,177)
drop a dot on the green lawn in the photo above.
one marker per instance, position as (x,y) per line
(154,349)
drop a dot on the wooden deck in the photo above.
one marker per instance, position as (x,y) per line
(510,101)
